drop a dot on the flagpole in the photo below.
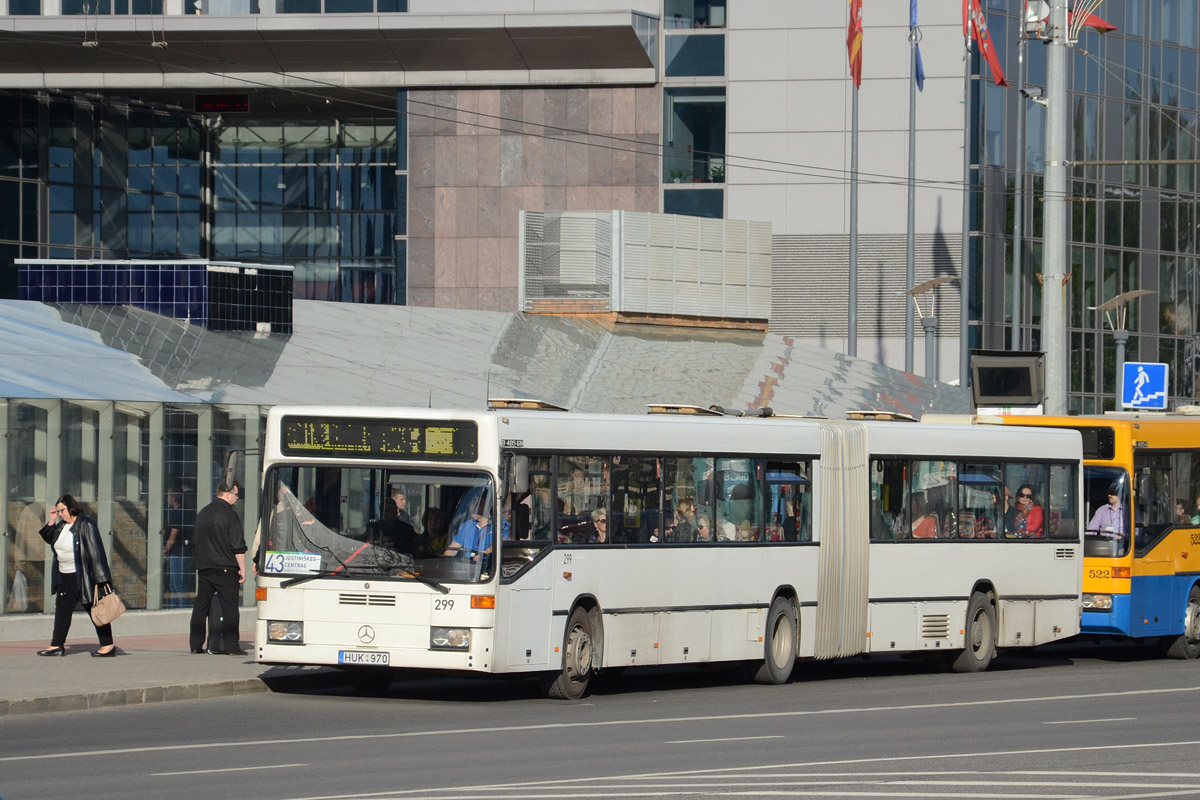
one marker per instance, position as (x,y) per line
(909,268)
(1018,258)
(965,282)
(852,316)
(1054,215)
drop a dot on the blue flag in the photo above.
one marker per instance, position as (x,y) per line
(916,35)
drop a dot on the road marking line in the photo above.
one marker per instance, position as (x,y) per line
(228,769)
(1089,721)
(550,726)
(731,739)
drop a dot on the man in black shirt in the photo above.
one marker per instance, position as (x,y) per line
(220,555)
(177,549)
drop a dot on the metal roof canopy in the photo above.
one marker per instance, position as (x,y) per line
(355,354)
(207,52)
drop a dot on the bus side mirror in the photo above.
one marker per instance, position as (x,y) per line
(518,475)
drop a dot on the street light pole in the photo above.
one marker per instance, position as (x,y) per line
(1054,316)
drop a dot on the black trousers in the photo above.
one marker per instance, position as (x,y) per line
(223,583)
(64,606)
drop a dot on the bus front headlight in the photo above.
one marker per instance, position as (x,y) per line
(283,632)
(1097,602)
(450,638)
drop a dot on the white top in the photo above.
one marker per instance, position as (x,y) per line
(64,548)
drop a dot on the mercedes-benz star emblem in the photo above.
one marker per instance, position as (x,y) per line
(366,634)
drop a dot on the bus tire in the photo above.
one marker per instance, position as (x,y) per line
(980,636)
(1187,644)
(779,644)
(578,648)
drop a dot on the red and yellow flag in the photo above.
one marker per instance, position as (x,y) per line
(974,19)
(854,38)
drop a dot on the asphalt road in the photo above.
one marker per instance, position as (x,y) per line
(1068,722)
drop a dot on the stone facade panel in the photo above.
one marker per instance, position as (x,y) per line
(532,149)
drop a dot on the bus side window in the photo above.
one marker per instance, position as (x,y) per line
(888,500)
(788,512)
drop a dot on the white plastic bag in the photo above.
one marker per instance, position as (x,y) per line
(18,598)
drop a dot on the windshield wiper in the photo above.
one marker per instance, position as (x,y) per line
(430,582)
(328,573)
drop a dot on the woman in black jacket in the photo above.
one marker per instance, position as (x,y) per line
(79,567)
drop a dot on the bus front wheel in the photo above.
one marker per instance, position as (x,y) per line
(980,636)
(578,648)
(1187,644)
(779,645)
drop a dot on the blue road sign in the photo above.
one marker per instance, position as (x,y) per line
(1144,385)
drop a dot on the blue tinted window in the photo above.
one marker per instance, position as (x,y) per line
(694,202)
(694,135)
(682,14)
(349,6)
(24,7)
(10,205)
(695,55)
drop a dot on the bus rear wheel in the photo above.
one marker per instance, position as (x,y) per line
(1187,644)
(779,645)
(578,648)
(981,636)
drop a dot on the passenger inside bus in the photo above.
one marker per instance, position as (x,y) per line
(1027,515)
(924,522)
(685,521)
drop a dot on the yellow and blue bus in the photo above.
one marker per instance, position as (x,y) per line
(1141,568)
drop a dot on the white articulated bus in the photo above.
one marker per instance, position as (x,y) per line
(562,544)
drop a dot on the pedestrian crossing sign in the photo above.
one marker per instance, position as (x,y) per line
(1144,385)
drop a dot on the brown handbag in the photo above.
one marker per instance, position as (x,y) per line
(106,607)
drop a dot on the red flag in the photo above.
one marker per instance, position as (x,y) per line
(854,37)
(973,13)
(1092,21)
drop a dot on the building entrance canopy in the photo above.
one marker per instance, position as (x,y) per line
(209,51)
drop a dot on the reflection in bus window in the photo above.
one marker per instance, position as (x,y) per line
(636,500)
(583,487)
(932,489)
(789,506)
(980,501)
(889,500)
(1062,502)
(739,507)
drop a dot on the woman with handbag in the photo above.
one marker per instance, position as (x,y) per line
(80,570)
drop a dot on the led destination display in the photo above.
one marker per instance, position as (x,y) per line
(379,438)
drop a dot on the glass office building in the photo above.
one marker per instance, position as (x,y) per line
(123,177)
(1133,95)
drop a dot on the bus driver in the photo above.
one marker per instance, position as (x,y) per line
(474,534)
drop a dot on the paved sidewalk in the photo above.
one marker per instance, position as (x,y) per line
(149,667)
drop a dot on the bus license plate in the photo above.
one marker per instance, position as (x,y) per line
(372,658)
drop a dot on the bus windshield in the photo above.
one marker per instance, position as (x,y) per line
(353,521)
(1106,491)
